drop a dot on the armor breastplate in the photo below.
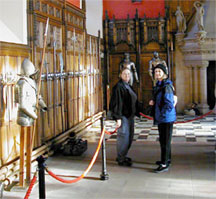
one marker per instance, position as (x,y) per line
(127,65)
(26,91)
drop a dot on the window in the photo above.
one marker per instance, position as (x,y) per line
(134,1)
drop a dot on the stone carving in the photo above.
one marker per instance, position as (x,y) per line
(180,20)
(199,15)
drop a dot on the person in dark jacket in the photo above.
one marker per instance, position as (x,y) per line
(164,114)
(124,106)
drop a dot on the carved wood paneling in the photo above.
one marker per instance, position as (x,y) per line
(140,37)
(71,76)
(10,62)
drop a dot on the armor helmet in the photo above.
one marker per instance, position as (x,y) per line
(28,68)
(156,54)
(127,55)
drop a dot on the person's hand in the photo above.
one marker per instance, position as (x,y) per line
(118,123)
(176,100)
(44,109)
(151,103)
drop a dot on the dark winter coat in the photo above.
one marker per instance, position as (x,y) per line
(164,102)
(121,102)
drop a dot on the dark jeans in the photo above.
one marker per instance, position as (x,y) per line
(165,136)
(125,136)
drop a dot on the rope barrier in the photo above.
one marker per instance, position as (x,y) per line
(177,122)
(110,133)
(95,156)
(146,116)
(31,185)
(88,168)
(180,122)
(197,118)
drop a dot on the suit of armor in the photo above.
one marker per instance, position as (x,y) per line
(126,63)
(26,95)
(154,62)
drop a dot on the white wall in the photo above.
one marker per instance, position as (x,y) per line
(94,17)
(13,21)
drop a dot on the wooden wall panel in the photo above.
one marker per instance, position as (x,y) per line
(10,63)
(71,92)
(114,70)
(140,37)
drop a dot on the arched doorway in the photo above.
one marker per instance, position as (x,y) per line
(211,84)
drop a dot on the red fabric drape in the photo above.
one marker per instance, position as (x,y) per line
(120,8)
(74,2)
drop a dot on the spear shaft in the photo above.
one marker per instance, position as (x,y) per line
(39,80)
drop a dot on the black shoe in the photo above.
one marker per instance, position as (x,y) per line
(128,159)
(160,162)
(162,168)
(126,162)
(125,159)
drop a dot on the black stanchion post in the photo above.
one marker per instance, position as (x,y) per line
(41,160)
(104,175)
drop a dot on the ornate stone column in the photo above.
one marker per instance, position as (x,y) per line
(199,83)
(203,86)
(195,83)
(190,95)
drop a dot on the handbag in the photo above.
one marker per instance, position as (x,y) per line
(150,110)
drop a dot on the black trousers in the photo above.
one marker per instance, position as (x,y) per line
(165,136)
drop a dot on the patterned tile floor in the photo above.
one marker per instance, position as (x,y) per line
(202,130)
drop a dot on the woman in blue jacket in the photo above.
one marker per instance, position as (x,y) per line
(164,114)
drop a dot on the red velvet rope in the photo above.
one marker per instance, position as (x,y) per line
(197,118)
(180,122)
(88,168)
(110,133)
(96,155)
(31,186)
(146,116)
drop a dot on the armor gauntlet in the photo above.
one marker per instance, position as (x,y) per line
(42,104)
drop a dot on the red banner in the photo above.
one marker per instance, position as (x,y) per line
(74,2)
(121,8)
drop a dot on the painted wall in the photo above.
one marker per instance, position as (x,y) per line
(120,8)
(94,12)
(94,15)
(13,21)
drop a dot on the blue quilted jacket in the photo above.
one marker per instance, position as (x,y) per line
(164,102)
